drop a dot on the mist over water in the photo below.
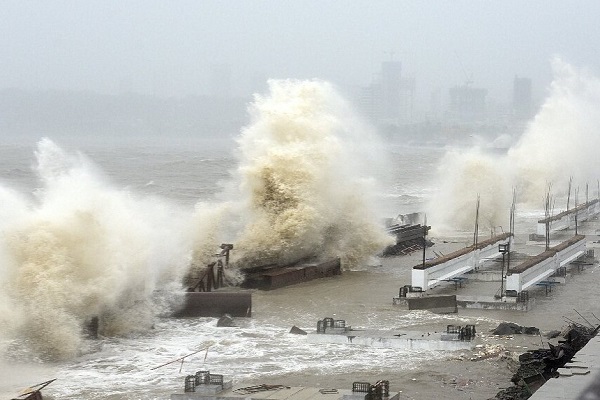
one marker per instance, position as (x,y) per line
(562,141)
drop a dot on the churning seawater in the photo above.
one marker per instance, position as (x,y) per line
(260,349)
(120,367)
(98,227)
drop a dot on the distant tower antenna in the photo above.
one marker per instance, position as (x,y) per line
(468,79)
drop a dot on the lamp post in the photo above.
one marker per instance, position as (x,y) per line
(503,248)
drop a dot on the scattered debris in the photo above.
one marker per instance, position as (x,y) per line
(204,385)
(33,392)
(537,366)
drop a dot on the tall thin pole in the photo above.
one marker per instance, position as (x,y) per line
(569,192)
(512,225)
(502,278)
(576,211)
(586,193)
(476,233)
(424,238)
(547,211)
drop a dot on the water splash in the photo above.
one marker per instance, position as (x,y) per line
(559,143)
(304,178)
(83,249)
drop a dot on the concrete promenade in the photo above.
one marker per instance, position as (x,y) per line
(579,380)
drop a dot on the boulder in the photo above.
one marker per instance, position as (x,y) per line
(510,328)
(225,321)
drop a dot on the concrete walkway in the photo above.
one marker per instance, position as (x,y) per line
(580,379)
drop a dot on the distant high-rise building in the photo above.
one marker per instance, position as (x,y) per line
(407,99)
(390,82)
(467,103)
(389,99)
(522,102)
(370,100)
(435,103)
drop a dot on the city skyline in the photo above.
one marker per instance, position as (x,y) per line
(172,49)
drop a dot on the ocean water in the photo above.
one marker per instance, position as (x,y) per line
(260,349)
(120,367)
(102,226)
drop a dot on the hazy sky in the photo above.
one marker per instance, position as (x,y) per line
(170,47)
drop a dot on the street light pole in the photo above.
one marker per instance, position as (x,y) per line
(503,248)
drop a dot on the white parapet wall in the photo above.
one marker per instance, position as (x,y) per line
(566,219)
(540,267)
(456,264)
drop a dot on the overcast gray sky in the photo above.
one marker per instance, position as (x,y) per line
(170,47)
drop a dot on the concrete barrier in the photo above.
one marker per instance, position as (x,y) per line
(437,304)
(215,304)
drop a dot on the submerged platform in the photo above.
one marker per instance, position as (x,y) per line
(212,387)
(336,331)
(393,339)
(493,303)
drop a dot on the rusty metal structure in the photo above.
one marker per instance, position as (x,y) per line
(210,279)
(274,276)
(204,299)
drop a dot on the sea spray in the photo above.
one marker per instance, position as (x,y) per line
(562,141)
(467,175)
(304,179)
(84,249)
(559,143)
